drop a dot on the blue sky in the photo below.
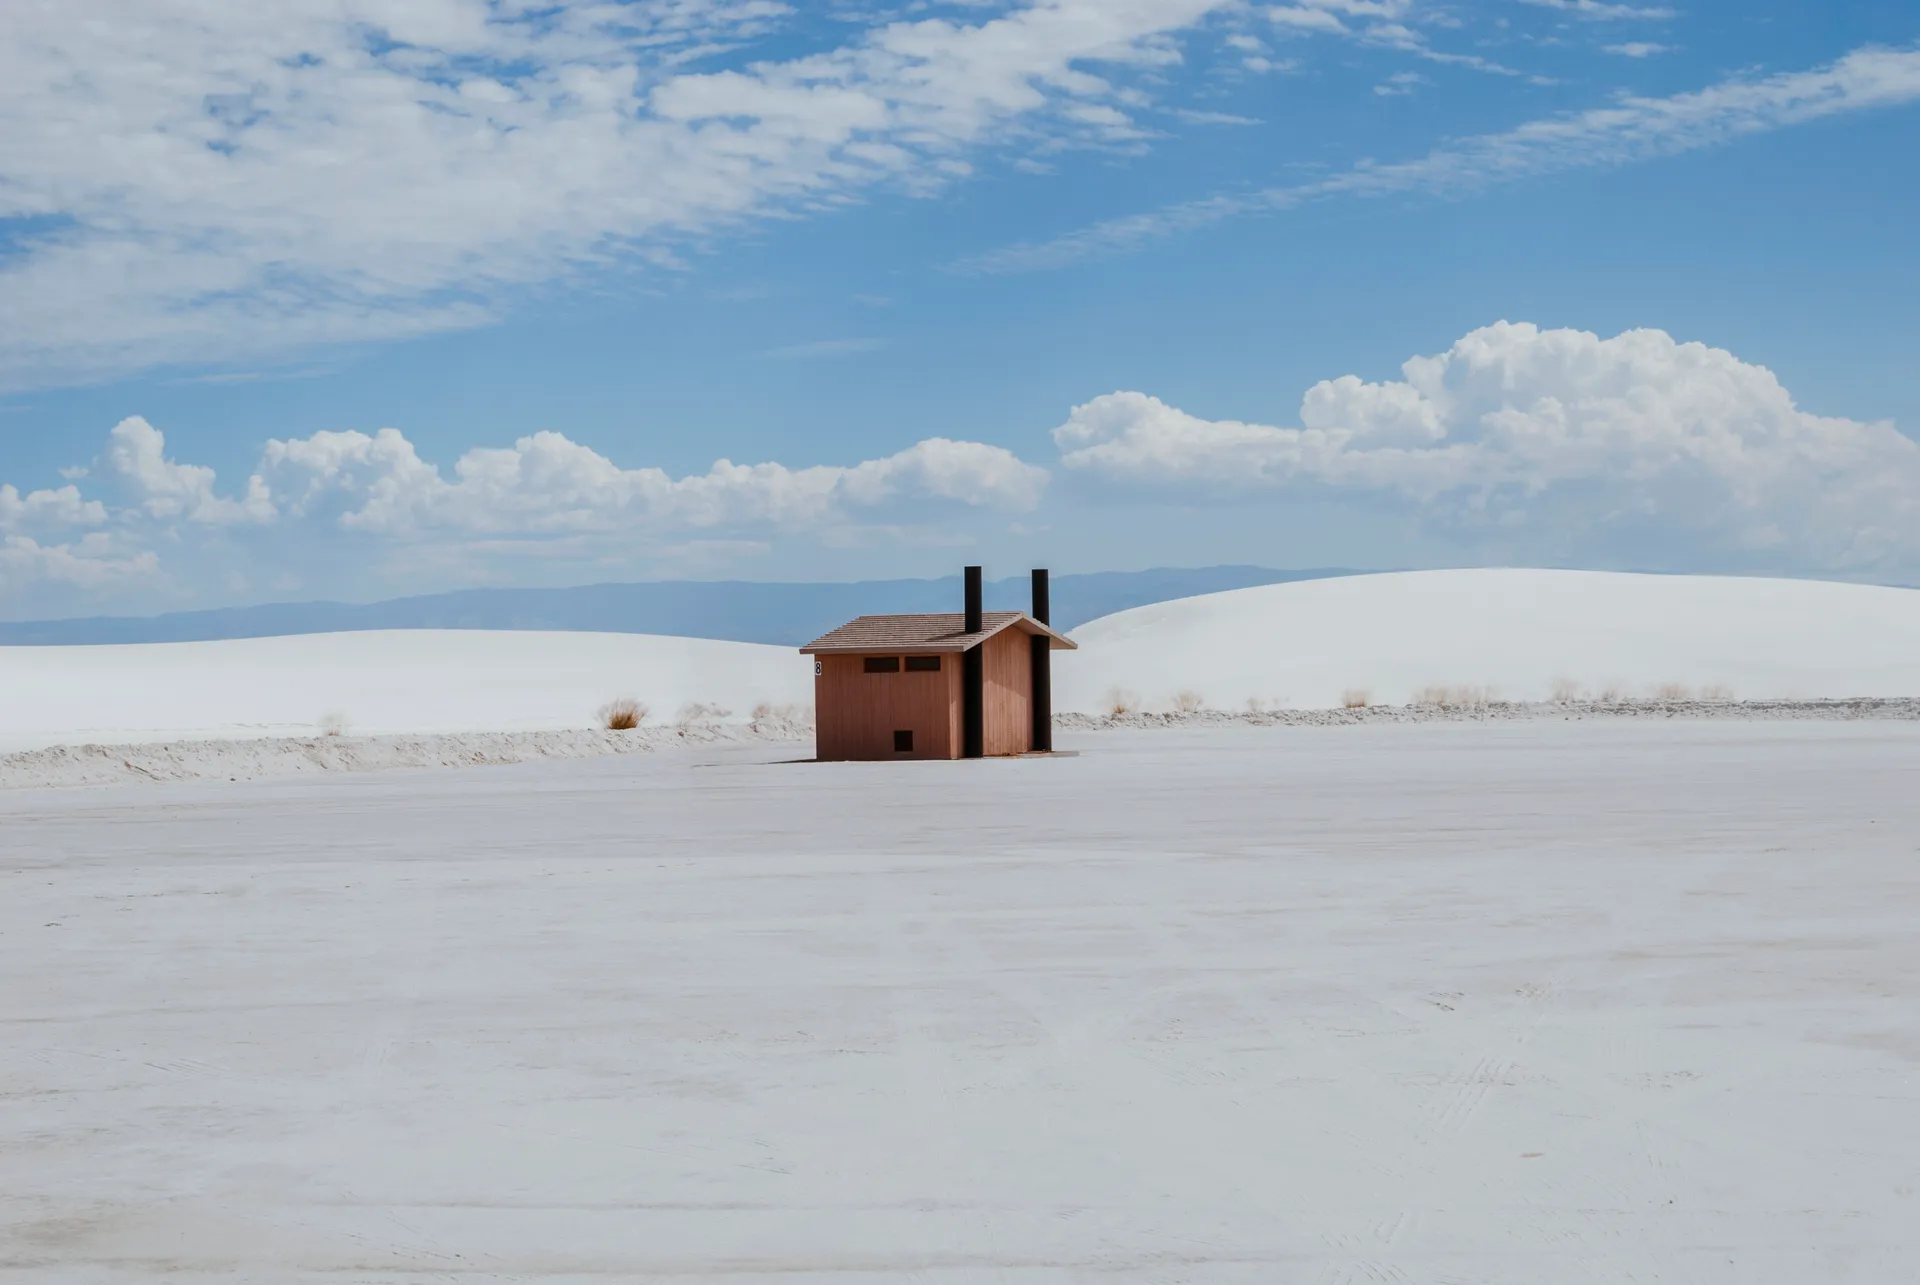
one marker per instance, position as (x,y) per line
(351,300)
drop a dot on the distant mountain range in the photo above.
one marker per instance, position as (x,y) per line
(744,611)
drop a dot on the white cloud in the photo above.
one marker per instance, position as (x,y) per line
(546,484)
(26,565)
(1602,11)
(1630,448)
(1302,18)
(1627,130)
(1381,23)
(47,537)
(368,505)
(1400,84)
(1213,118)
(1638,49)
(56,509)
(135,461)
(191,182)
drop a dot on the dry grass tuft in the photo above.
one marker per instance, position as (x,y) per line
(1462,696)
(1568,692)
(333,724)
(622,715)
(1356,698)
(1608,695)
(1673,692)
(1716,692)
(767,715)
(699,713)
(1189,702)
(1121,701)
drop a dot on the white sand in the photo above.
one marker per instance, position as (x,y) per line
(382,682)
(1514,634)
(252,760)
(1503,1003)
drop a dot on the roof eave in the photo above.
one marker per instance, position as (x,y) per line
(1056,641)
(1026,624)
(917,649)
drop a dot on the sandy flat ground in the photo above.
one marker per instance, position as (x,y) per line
(1454,1003)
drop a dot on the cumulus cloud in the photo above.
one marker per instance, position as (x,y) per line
(1556,443)
(88,563)
(548,484)
(136,462)
(49,537)
(374,497)
(59,508)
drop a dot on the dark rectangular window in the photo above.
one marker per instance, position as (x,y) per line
(923,664)
(903,742)
(883,664)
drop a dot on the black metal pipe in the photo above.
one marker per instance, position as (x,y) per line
(973,677)
(1042,654)
(973,703)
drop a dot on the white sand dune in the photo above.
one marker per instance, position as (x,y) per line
(381,682)
(1510,634)
(1517,635)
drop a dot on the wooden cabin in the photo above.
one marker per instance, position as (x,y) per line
(945,685)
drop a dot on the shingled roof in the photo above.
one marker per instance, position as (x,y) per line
(932,632)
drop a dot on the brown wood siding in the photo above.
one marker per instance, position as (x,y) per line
(1008,707)
(857,713)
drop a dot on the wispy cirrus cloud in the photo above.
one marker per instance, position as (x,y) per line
(1381,23)
(1628,130)
(183,182)
(192,184)
(1603,11)
(1637,49)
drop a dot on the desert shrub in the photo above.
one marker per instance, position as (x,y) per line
(1566,691)
(622,715)
(1189,702)
(1462,696)
(1609,694)
(1356,698)
(698,712)
(766,715)
(333,724)
(1716,692)
(1673,692)
(1121,701)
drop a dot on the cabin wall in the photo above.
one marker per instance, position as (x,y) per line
(856,713)
(1008,707)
